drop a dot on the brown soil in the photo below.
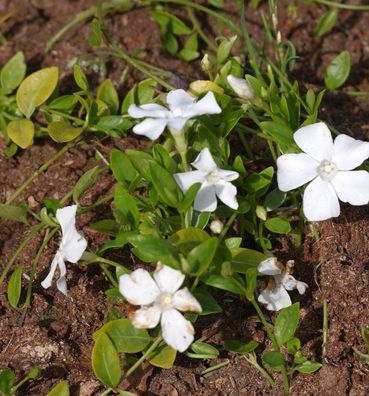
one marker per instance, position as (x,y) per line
(56,332)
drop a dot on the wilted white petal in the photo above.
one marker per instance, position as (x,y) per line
(241,87)
(168,279)
(227,193)
(294,170)
(227,175)
(301,287)
(179,99)
(276,299)
(206,105)
(349,153)
(315,140)
(151,110)
(352,186)
(204,161)
(138,287)
(146,317)
(205,200)
(320,201)
(61,283)
(177,124)
(46,283)
(269,267)
(186,179)
(178,332)
(73,248)
(185,301)
(151,127)
(288,282)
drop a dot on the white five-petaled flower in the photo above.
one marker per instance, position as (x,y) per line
(329,166)
(241,87)
(275,296)
(182,107)
(214,182)
(71,247)
(160,300)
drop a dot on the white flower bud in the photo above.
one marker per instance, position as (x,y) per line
(205,64)
(241,87)
(216,226)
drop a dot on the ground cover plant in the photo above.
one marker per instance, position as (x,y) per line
(184,204)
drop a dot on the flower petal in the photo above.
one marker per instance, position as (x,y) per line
(206,105)
(204,161)
(352,186)
(315,140)
(151,110)
(205,200)
(289,282)
(276,299)
(168,279)
(61,283)
(47,282)
(320,201)
(349,153)
(186,179)
(227,192)
(146,317)
(294,170)
(185,301)
(301,287)
(227,175)
(138,287)
(269,267)
(177,124)
(241,87)
(178,332)
(151,127)
(179,99)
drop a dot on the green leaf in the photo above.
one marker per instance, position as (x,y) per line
(163,357)
(13,71)
(188,238)
(61,389)
(94,38)
(106,226)
(125,337)
(274,199)
(308,367)
(224,49)
(141,93)
(274,360)
(244,259)
(152,248)
(240,346)
(257,181)
(84,182)
(165,185)
(207,302)
(63,103)
(122,167)
(280,132)
(108,94)
(15,287)
(36,89)
(80,77)
(293,345)
(7,378)
(126,208)
(338,71)
(105,361)
(326,22)
(224,283)
(202,348)
(279,225)
(286,323)
(21,132)
(141,161)
(17,213)
(201,257)
(62,131)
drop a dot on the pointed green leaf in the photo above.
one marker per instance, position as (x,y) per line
(84,182)
(286,323)
(338,71)
(201,257)
(15,287)
(13,71)
(108,94)
(17,213)
(61,389)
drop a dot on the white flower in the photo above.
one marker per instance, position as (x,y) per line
(182,107)
(330,167)
(275,296)
(241,87)
(215,182)
(71,247)
(160,300)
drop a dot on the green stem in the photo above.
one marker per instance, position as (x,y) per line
(227,226)
(143,357)
(198,29)
(106,392)
(325,329)
(97,203)
(181,146)
(352,7)
(37,173)
(357,93)
(36,260)
(251,358)
(34,231)
(108,274)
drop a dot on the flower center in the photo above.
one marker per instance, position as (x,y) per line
(212,178)
(165,301)
(327,170)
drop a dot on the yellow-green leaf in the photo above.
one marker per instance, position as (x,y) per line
(62,131)
(36,89)
(13,72)
(61,389)
(163,357)
(21,132)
